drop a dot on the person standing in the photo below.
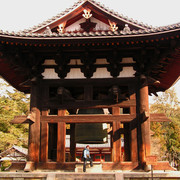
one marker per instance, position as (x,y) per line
(86,157)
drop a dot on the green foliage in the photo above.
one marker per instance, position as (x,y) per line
(5,165)
(12,103)
(168,132)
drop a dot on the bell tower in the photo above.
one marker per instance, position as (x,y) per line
(80,64)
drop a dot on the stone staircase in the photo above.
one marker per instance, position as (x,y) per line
(97,167)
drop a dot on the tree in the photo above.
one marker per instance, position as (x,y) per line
(12,103)
(168,132)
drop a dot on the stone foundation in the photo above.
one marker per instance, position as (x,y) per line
(127,175)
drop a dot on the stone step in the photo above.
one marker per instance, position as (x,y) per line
(97,168)
(87,176)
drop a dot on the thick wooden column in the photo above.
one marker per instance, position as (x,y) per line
(44,142)
(61,138)
(143,121)
(133,129)
(34,128)
(145,126)
(116,136)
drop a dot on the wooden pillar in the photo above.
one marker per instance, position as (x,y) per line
(34,128)
(133,129)
(145,126)
(72,143)
(44,141)
(133,146)
(116,136)
(61,138)
(143,121)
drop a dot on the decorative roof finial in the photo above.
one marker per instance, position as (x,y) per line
(113,26)
(48,30)
(87,13)
(61,27)
(126,29)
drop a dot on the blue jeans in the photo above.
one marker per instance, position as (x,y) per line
(85,162)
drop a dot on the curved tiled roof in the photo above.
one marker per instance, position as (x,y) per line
(144,30)
(119,33)
(79,3)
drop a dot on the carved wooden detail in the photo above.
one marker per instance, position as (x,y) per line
(26,64)
(62,69)
(88,68)
(61,27)
(113,26)
(115,67)
(87,13)
(88,25)
(116,94)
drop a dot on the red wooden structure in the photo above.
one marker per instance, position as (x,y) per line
(90,57)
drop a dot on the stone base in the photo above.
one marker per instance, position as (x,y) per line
(77,167)
(110,166)
(30,166)
(17,166)
(163,165)
(173,175)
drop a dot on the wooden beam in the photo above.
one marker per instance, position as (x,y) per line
(90,104)
(93,82)
(159,117)
(24,119)
(88,118)
(19,119)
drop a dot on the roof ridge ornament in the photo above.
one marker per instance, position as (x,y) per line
(126,29)
(48,31)
(87,13)
(113,26)
(61,27)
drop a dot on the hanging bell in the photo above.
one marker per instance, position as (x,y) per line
(91,133)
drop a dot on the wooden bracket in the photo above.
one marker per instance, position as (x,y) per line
(24,119)
(146,115)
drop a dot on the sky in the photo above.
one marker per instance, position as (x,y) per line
(16,15)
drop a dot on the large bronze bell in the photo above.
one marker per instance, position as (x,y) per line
(91,133)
